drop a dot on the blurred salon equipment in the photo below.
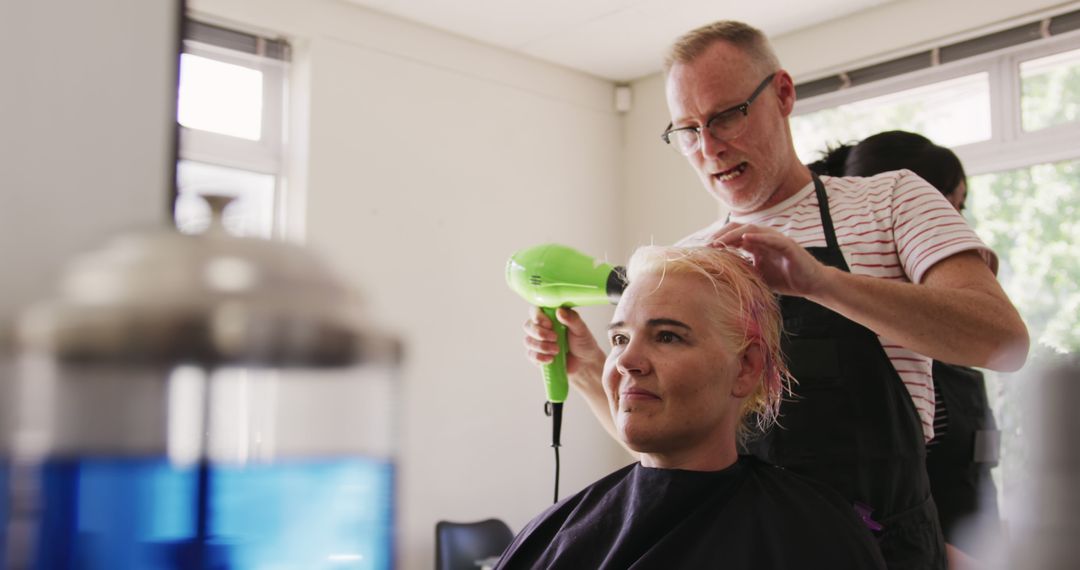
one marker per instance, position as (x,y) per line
(198,402)
(1044,535)
(470,545)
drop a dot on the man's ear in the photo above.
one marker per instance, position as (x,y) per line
(785,92)
(751,368)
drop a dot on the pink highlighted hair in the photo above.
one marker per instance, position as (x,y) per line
(746,309)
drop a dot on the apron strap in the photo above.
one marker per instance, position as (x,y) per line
(826,218)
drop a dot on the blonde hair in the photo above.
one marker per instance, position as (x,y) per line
(749,39)
(746,311)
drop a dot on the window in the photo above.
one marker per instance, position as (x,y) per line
(1013,117)
(232,116)
(1050,90)
(250,214)
(952,112)
(1030,216)
(220,97)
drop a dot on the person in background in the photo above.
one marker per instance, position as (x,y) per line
(869,294)
(695,365)
(965,444)
(898,150)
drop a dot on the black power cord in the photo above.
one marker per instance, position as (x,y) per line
(554,409)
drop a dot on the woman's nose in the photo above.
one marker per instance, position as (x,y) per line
(632,360)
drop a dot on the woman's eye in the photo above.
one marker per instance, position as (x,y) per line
(667,337)
(618,339)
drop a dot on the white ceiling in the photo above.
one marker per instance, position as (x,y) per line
(618,40)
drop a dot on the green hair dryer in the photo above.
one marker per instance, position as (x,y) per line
(552,276)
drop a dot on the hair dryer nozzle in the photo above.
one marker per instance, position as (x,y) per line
(616,283)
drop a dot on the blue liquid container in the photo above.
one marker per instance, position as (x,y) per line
(197,402)
(132,513)
(232,470)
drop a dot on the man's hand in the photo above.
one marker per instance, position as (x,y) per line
(784,265)
(958,313)
(705,236)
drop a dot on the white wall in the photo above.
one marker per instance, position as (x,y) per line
(87,124)
(432,159)
(663,199)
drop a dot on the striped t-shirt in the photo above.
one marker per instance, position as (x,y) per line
(891,226)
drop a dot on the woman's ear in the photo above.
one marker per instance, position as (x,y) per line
(751,367)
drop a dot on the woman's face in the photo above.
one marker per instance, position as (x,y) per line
(673,380)
(958,196)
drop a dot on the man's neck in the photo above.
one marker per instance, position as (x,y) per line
(796,178)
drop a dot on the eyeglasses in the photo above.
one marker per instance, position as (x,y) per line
(725,125)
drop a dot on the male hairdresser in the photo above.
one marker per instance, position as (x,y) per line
(877,277)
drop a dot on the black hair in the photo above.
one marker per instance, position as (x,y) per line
(894,150)
(832,160)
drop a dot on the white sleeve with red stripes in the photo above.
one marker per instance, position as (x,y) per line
(928,229)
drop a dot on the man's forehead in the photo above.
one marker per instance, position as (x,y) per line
(708,83)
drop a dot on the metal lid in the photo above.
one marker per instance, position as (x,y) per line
(166,298)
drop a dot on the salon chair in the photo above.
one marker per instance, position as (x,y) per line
(466,545)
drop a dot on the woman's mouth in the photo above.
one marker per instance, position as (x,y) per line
(731,173)
(639,394)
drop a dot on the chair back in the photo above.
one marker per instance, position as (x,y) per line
(463,545)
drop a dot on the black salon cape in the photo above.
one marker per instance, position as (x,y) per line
(748,516)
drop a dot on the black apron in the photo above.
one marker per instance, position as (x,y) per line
(960,460)
(851,422)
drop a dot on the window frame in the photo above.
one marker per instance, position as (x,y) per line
(266,155)
(263,155)
(1009,147)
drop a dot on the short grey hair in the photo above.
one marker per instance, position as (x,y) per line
(749,39)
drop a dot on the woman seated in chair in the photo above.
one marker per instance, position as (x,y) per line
(695,364)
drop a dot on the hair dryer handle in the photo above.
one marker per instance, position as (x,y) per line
(555,380)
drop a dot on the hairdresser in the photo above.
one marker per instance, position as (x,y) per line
(965,444)
(877,276)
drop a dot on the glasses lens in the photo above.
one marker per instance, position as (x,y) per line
(684,140)
(728,125)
